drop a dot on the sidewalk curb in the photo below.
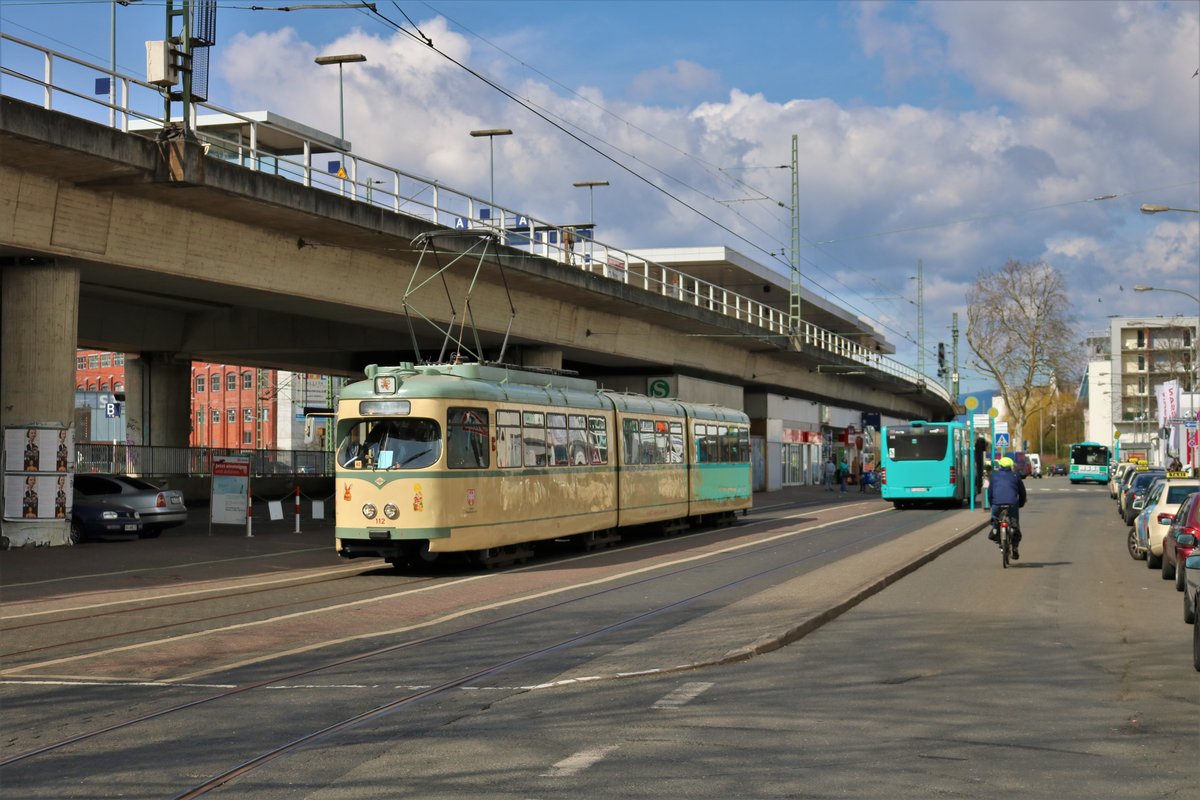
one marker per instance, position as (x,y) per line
(773,641)
(776,640)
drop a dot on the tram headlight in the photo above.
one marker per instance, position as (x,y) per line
(390,511)
(369,510)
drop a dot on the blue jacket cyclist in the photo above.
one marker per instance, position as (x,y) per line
(1007,488)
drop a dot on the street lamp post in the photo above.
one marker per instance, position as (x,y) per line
(349,58)
(491,134)
(1151,208)
(591,185)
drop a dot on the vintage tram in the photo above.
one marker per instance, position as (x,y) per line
(486,460)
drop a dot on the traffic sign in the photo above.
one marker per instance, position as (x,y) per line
(1001,439)
(972,402)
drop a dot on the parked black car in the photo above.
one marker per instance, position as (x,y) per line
(100,518)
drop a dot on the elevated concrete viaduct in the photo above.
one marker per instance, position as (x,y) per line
(117,241)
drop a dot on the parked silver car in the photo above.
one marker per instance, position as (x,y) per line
(159,508)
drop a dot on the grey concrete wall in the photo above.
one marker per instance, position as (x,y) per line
(38,311)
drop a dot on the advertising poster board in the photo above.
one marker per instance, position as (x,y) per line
(38,461)
(230,490)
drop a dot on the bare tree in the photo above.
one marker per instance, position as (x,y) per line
(1019,328)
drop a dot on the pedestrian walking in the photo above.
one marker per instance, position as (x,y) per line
(843,472)
(830,474)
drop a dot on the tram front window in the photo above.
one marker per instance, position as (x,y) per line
(409,443)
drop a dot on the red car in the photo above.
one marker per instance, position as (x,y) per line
(1181,539)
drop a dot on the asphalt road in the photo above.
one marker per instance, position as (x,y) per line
(1067,675)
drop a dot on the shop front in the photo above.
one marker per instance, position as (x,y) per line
(801,457)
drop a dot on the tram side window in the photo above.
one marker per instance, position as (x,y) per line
(708,449)
(632,442)
(651,453)
(729,444)
(467,438)
(534,432)
(508,438)
(743,445)
(598,436)
(675,445)
(556,432)
(577,440)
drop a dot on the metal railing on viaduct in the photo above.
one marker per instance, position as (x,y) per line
(65,84)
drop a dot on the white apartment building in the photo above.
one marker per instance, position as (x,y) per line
(1126,367)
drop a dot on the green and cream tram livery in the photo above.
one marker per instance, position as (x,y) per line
(487,460)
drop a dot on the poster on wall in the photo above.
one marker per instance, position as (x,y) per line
(38,461)
(36,449)
(34,497)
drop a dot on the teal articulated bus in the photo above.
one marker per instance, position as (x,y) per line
(1089,462)
(925,462)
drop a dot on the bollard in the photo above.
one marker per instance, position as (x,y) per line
(297,508)
(249,516)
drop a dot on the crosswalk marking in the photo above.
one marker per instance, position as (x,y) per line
(578,762)
(684,694)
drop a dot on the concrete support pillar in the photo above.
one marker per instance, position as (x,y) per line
(39,311)
(158,400)
(542,357)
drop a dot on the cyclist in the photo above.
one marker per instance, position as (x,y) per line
(1006,489)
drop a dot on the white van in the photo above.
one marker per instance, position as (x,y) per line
(1035,461)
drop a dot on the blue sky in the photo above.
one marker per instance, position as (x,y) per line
(959,133)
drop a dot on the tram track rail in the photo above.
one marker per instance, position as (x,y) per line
(409,698)
(142,605)
(190,622)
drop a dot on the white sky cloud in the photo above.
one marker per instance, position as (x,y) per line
(1072,100)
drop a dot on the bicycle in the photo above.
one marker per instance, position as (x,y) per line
(1004,535)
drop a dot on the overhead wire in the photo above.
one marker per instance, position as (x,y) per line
(546,115)
(734,181)
(712,168)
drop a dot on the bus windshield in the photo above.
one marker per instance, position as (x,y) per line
(1089,455)
(381,443)
(926,443)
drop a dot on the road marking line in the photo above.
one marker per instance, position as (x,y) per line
(684,694)
(226,584)
(577,763)
(136,570)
